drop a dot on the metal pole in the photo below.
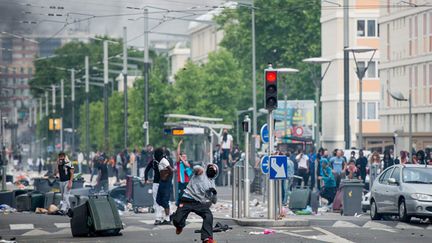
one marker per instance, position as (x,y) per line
(285,110)
(105,94)
(234,192)
(246,171)
(40,109)
(317,118)
(73,109)
(271,185)
(125,87)
(3,154)
(360,143)
(53,98)
(46,103)
(410,125)
(238,129)
(254,101)
(346,75)
(146,77)
(239,194)
(87,109)
(62,114)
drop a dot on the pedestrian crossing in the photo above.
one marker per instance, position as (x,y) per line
(390,226)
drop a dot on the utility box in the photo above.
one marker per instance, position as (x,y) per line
(352,191)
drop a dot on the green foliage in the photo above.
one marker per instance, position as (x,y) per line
(287,31)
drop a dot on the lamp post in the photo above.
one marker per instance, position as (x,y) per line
(317,81)
(400,97)
(361,71)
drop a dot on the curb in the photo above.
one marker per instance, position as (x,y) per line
(272,223)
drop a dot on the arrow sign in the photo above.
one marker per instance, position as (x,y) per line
(265,164)
(278,167)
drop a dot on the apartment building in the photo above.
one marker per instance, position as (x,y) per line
(363,31)
(406,66)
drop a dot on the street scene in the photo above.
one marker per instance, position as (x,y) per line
(215,121)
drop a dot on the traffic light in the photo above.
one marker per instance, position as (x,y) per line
(270,89)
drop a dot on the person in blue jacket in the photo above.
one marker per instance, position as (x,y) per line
(329,190)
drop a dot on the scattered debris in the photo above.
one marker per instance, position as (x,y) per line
(4,208)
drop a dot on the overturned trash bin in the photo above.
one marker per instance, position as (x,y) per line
(351,197)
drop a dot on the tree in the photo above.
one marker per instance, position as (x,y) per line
(287,31)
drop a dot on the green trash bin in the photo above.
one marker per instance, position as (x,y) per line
(352,191)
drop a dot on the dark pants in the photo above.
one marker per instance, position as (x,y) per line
(164,193)
(189,205)
(328,193)
(93,172)
(303,173)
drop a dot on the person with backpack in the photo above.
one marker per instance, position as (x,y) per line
(199,195)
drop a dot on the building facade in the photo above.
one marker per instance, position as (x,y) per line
(363,31)
(406,66)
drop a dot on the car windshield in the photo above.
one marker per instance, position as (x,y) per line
(417,175)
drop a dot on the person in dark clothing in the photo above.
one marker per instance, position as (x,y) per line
(387,160)
(165,183)
(199,195)
(329,186)
(66,173)
(95,165)
(102,180)
(361,164)
(421,157)
(153,165)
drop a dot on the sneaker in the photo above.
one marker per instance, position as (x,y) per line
(178,230)
(157,222)
(166,222)
(209,240)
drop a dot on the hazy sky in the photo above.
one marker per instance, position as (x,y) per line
(61,17)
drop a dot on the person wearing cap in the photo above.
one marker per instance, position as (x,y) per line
(329,190)
(66,174)
(198,196)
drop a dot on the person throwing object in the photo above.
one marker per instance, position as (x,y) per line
(197,198)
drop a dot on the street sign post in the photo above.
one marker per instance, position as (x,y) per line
(264,133)
(265,165)
(278,167)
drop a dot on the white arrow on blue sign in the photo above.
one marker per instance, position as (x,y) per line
(278,167)
(265,164)
(264,133)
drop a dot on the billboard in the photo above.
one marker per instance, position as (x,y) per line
(299,117)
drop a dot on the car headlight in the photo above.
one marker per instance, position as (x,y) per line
(421,197)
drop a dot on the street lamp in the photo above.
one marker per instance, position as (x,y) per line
(317,80)
(400,97)
(238,113)
(281,71)
(361,71)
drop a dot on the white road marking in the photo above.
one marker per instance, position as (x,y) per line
(345,224)
(147,221)
(36,232)
(375,225)
(62,225)
(134,229)
(21,226)
(326,236)
(301,231)
(64,231)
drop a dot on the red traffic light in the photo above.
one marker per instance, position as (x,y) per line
(271,76)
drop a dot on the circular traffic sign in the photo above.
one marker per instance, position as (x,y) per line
(265,167)
(264,133)
(298,131)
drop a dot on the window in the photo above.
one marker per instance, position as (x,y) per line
(385,175)
(367,28)
(372,70)
(396,174)
(370,110)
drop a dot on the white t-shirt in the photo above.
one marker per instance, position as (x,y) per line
(302,162)
(163,164)
(227,144)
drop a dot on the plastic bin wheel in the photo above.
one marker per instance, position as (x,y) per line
(151,210)
(135,210)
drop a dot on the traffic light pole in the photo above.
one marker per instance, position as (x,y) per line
(87,109)
(246,168)
(271,186)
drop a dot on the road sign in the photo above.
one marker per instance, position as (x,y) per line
(278,167)
(264,133)
(265,164)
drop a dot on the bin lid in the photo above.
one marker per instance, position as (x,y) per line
(351,182)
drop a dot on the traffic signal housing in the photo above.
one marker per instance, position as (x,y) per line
(270,89)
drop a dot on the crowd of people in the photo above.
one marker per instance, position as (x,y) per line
(332,167)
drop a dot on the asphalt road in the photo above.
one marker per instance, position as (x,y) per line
(29,227)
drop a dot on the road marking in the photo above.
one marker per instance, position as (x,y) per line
(194,220)
(407,226)
(147,221)
(64,231)
(36,232)
(327,236)
(163,227)
(375,225)
(62,225)
(134,229)
(301,231)
(345,224)
(21,226)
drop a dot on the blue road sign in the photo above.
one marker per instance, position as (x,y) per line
(278,167)
(264,133)
(265,164)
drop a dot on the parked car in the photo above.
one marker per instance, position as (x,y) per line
(402,190)
(366,202)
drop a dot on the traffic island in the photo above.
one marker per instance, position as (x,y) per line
(272,223)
